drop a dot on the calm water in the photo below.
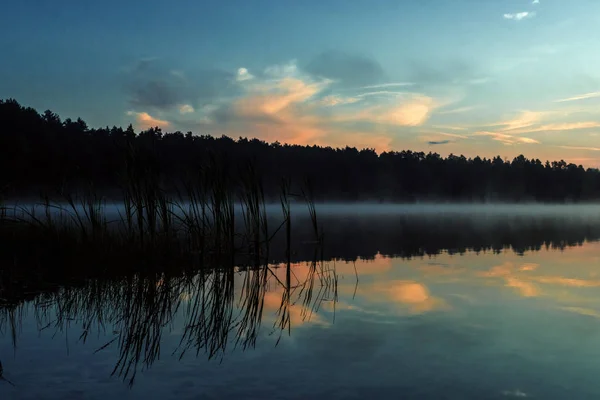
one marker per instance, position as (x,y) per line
(418,307)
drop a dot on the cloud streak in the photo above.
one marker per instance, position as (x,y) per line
(519,16)
(459,110)
(580,148)
(579,97)
(508,139)
(568,126)
(334,100)
(387,85)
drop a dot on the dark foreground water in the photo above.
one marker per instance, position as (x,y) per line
(444,308)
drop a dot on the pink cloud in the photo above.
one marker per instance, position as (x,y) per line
(412,112)
(143,120)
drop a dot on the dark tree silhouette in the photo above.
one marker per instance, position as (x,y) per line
(41,152)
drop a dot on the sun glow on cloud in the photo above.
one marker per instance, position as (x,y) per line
(288,104)
(146,121)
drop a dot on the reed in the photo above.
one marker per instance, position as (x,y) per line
(212,311)
(163,254)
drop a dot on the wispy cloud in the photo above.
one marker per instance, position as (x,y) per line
(409,112)
(334,100)
(478,81)
(459,110)
(385,93)
(186,109)
(535,2)
(527,140)
(508,139)
(243,75)
(282,70)
(582,311)
(273,97)
(580,148)
(146,121)
(452,135)
(285,104)
(412,113)
(387,85)
(579,97)
(568,126)
(519,16)
(178,74)
(452,128)
(524,120)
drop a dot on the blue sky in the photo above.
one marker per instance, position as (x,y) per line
(465,77)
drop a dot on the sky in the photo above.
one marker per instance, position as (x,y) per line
(487,77)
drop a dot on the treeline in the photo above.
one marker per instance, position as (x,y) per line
(42,152)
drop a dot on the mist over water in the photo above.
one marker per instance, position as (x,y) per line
(113,210)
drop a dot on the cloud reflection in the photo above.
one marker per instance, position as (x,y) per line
(413,295)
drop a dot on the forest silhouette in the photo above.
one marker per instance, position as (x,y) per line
(42,153)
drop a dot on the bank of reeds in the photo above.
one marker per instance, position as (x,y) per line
(217,217)
(202,250)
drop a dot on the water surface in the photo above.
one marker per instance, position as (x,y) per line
(442,306)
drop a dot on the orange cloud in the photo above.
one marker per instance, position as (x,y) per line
(413,112)
(529,267)
(299,314)
(525,288)
(507,272)
(283,109)
(146,121)
(361,140)
(498,270)
(562,281)
(271,98)
(524,120)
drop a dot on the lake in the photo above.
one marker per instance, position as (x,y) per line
(411,302)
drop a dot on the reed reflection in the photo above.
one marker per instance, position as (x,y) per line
(211,311)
